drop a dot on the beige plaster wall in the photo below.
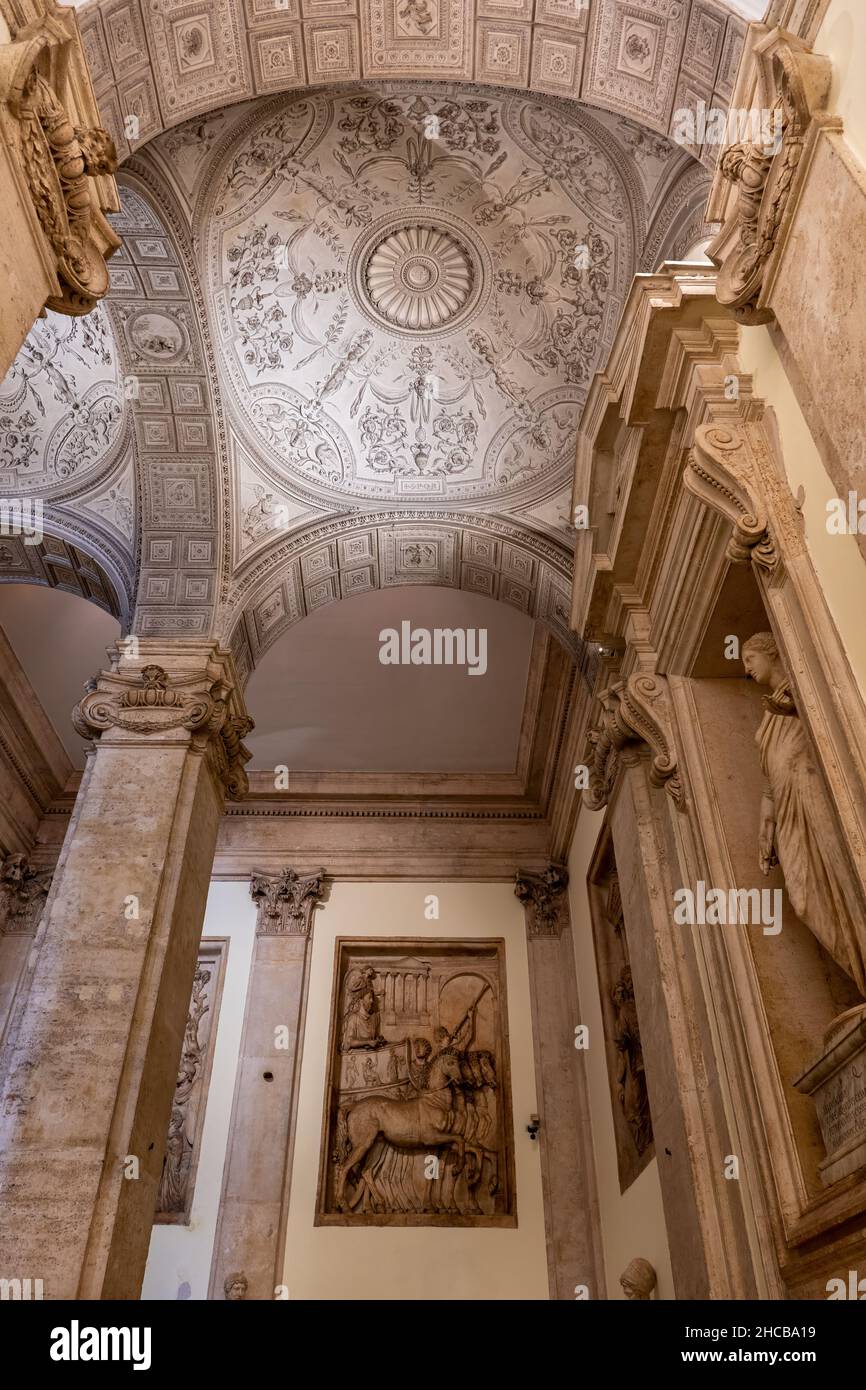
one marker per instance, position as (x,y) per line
(416,1262)
(178,1264)
(632,1222)
(842,37)
(837,559)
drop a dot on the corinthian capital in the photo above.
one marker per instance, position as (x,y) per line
(545,900)
(23,891)
(286,902)
(634,713)
(136,701)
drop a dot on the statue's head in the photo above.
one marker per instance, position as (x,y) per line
(638,1279)
(761,658)
(235,1287)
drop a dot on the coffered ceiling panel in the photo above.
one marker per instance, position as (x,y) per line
(163,60)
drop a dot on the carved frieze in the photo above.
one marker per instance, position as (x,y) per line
(58,159)
(629,1096)
(286,903)
(418,1107)
(177,1184)
(765,171)
(634,712)
(23,891)
(545,900)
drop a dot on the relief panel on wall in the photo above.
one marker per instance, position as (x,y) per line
(417,1124)
(629,1098)
(177,1184)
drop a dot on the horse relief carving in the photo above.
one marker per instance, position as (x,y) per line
(418,1114)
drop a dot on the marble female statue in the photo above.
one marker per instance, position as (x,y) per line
(798,829)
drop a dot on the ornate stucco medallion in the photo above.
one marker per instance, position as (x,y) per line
(419,277)
(419,273)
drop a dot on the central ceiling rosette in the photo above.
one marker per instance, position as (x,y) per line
(413,289)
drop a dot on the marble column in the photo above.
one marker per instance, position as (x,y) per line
(571,1215)
(251,1225)
(86,1101)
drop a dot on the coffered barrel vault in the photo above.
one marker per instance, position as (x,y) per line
(164,61)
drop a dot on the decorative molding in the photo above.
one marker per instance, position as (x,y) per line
(731,470)
(59,159)
(635,713)
(23,891)
(286,903)
(545,900)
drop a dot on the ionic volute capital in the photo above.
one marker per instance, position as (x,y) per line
(136,700)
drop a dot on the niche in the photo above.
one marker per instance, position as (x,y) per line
(802,988)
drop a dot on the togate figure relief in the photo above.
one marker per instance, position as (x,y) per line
(798,828)
(631,1088)
(418,1114)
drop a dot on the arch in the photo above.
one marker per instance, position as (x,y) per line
(358,552)
(67,558)
(239,49)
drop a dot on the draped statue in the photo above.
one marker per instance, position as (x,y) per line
(798,828)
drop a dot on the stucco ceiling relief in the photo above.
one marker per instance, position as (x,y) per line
(412,291)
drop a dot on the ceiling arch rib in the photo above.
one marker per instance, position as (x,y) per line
(358,553)
(163,63)
(157,309)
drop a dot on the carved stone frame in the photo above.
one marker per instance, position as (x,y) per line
(493,947)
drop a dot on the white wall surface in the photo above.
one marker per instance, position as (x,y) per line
(416,1262)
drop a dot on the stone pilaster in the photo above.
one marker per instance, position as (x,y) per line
(86,1100)
(571,1216)
(254,1199)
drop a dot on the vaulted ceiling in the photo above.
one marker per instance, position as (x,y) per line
(351,329)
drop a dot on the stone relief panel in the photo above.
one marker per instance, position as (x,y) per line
(632,1121)
(404,317)
(418,1128)
(177,1184)
(61,405)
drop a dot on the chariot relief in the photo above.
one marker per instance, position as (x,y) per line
(417,1127)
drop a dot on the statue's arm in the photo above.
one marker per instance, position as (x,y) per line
(767,856)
